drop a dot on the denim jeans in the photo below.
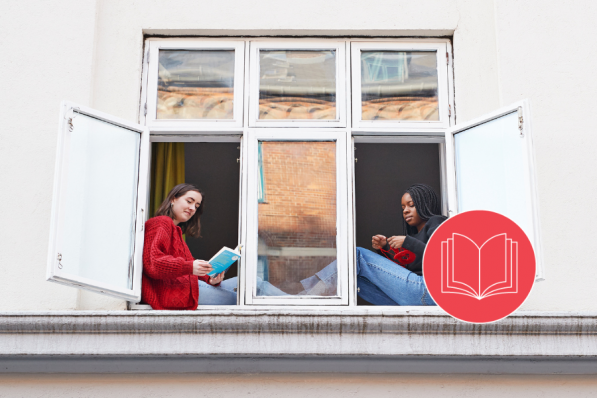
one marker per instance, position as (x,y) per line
(383,282)
(379,281)
(225,294)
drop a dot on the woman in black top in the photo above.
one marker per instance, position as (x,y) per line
(380,279)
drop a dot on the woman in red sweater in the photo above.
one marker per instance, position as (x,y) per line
(170,273)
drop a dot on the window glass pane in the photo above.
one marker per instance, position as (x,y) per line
(195,84)
(100,202)
(297,84)
(297,222)
(398,85)
(491,170)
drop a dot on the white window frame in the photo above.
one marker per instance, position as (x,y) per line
(176,126)
(298,44)
(250,225)
(200,131)
(530,170)
(443,50)
(54,273)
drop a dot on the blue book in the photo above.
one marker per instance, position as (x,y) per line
(224,259)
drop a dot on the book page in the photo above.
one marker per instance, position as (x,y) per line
(495,267)
(465,264)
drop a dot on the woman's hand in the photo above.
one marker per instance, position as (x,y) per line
(214,280)
(396,242)
(201,267)
(378,241)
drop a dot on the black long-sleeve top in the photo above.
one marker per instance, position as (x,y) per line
(417,243)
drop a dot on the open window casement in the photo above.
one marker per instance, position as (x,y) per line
(490,166)
(98,209)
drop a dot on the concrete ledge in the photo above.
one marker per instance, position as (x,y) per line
(294,334)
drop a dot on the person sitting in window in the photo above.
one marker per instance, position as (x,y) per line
(380,280)
(170,273)
(172,278)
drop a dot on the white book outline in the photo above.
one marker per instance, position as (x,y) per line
(447,269)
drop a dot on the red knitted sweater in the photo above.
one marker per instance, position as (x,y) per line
(168,280)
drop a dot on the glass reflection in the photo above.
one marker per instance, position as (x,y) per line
(399,85)
(297,219)
(195,84)
(297,84)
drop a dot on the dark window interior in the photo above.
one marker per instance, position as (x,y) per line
(214,169)
(382,173)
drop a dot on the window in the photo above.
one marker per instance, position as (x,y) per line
(297,84)
(99,203)
(302,228)
(193,85)
(401,85)
(490,167)
(311,139)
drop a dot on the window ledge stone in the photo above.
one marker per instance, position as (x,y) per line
(379,332)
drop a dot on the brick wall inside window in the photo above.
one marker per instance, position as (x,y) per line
(299,209)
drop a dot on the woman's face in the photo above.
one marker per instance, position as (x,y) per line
(185,206)
(409,211)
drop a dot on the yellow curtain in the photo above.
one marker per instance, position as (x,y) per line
(167,171)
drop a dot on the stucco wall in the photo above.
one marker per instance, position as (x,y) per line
(47,56)
(299,385)
(543,55)
(91,52)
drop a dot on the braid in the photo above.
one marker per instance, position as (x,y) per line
(426,202)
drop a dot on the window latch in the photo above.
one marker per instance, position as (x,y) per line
(520,121)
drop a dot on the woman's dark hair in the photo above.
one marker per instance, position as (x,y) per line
(191,227)
(426,202)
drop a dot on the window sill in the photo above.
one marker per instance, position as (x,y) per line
(363,337)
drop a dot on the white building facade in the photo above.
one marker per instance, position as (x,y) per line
(101,56)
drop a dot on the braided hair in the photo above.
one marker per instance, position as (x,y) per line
(426,202)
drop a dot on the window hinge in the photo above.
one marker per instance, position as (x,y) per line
(147,56)
(447,58)
(520,121)
(145,109)
(59,258)
(449,111)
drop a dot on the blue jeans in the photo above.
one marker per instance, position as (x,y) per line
(379,281)
(383,282)
(225,294)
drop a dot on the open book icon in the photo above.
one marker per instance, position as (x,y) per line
(479,272)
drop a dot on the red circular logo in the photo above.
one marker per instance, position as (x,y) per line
(479,266)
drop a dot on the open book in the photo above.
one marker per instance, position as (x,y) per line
(224,259)
(479,272)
